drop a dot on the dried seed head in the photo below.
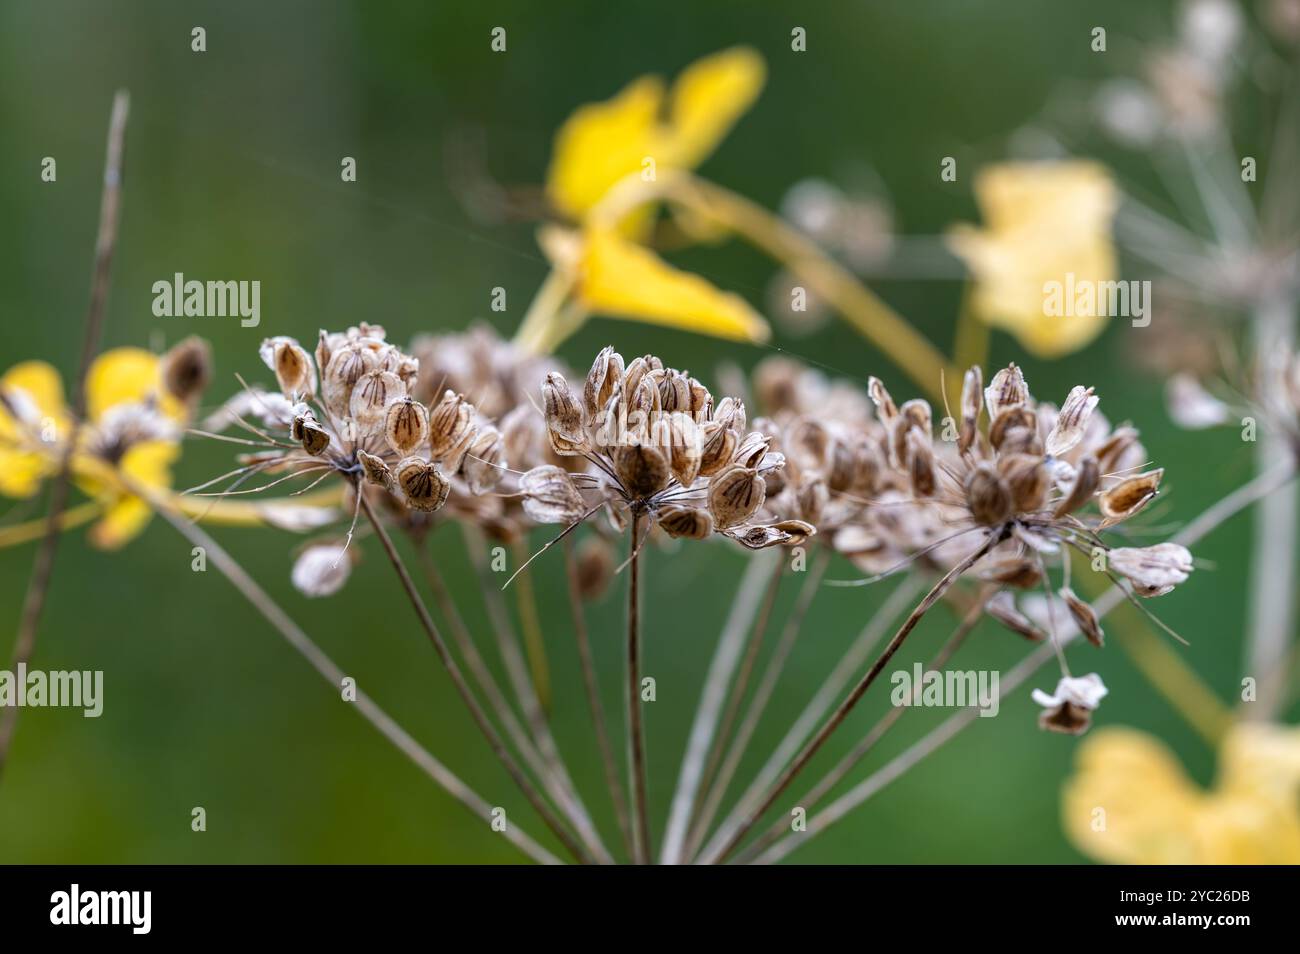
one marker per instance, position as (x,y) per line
(1084,617)
(483,464)
(602,381)
(1086,477)
(1155,570)
(186,369)
(685,522)
(642,470)
(373,392)
(423,484)
(564,420)
(1071,422)
(1130,496)
(406,425)
(987,497)
(1002,607)
(375,470)
(972,400)
(1005,391)
(345,369)
(549,495)
(449,424)
(734,495)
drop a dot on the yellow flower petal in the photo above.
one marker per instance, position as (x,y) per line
(1046,222)
(624,280)
(34,390)
(127,376)
(602,143)
(147,464)
(707,99)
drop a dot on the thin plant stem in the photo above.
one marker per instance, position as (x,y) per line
(710,783)
(516,670)
(530,625)
(827,783)
(487,684)
(334,676)
(744,606)
(635,729)
(825,696)
(462,688)
(1209,520)
(762,694)
(38,585)
(592,687)
(855,695)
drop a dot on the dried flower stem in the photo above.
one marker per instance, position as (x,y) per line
(592,686)
(635,729)
(894,604)
(43,567)
(868,742)
(334,676)
(462,687)
(531,626)
(766,686)
(743,609)
(1206,522)
(855,695)
(710,783)
(1271,610)
(516,670)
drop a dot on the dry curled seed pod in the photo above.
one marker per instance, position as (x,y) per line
(1002,607)
(812,498)
(291,364)
(987,496)
(1006,390)
(406,425)
(423,484)
(1011,420)
(373,392)
(1084,617)
(375,470)
(1071,421)
(308,431)
(1130,496)
(549,495)
(187,369)
(482,466)
(680,436)
(1027,478)
(346,367)
(685,522)
(719,448)
(762,536)
(602,380)
(642,470)
(449,422)
(886,409)
(564,420)
(1154,570)
(1086,477)
(920,464)
(734,495)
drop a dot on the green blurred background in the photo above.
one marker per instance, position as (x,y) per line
(233,172)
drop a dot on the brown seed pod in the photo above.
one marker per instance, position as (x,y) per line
(734,495)
(719,448)
(812,497)
(406,425)
(1084,616)
(594,560)
(602,381)
(549,495)
(482,465)
(920,464)
(1006,390)
(1002,607)
(1130,496)
(987,496)
(1027,478)
(1153,570)
(1086,477)
(685,522)
(423,484)
(564,418)
(642,470)
(308,431)
(449,423)
(187,369)
(373,392)
(346,367)
(972,400)
(375,470)
(1071,421)
(1010,420)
